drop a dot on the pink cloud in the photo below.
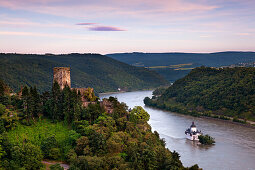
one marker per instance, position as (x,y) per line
(105,28)
(86,23)
(104,8)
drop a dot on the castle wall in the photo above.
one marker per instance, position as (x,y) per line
(62,76)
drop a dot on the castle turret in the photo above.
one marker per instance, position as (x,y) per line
(62,76)
(193,127)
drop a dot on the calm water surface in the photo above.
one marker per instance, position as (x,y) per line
(235,144)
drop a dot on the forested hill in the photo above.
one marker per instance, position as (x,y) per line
(102,73)
(174,66)
(164,59)
(228,92)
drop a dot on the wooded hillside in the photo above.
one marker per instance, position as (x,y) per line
(102,73)
(228,92)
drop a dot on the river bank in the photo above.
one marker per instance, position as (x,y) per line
(242,122)
(180,108)
(234,148)
(117,92)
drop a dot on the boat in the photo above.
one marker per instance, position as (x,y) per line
(192,133)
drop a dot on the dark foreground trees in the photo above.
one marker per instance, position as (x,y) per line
(86,138)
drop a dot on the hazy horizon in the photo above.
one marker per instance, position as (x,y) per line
(45,53)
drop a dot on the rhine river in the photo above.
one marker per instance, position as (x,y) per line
(235,144)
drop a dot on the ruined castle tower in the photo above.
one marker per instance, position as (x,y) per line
(62,76)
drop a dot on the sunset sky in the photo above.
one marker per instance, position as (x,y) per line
(108,26)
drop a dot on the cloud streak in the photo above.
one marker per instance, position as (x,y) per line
(86,23)
(97,27)
(107,7)
(105,28)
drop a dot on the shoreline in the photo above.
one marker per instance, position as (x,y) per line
(249,124)
(116,92)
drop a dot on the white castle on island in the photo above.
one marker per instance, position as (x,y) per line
(192,133)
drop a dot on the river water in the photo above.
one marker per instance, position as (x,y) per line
(235,144)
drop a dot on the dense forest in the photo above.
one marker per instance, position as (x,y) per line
(224,92)
(173,66)
(102,73)
(54,126)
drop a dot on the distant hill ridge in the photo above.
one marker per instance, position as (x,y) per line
(102,73)
(207,59)
(155,61)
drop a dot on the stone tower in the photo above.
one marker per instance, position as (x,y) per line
(62,76)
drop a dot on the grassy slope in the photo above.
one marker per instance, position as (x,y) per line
(102,73)
(40,131)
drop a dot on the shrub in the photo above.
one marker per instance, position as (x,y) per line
(47,145)
(56,167)
(235,119)
(2,109)
(206,140)
(28,156)
(54,153)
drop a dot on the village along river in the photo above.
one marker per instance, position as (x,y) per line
(235,144)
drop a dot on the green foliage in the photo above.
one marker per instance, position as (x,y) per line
(159,91)
(4,89)
(2,152)
(2,109)
(138,113)
(92,112)
(27,156)
(32,106)
(235,119)
(90,95)
(47,145)
(206,139)
(54,153)
(73,136)
(56,167)
(98,140)
(43,133)
(226,92)
(102,73)
(8,120)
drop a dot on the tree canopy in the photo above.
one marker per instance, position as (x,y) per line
(224,91)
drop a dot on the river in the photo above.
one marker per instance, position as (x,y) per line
(235,144)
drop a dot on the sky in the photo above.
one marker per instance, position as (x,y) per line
(112,26)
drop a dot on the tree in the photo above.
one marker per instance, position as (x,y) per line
(47,145)
(2,109)
(27,156)
(57,102)
(206,139)
(2,89)
(82,145)
(80,163)
(90,95)
(54,153)
(138,113)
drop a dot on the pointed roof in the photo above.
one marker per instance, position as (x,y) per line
(193,125)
